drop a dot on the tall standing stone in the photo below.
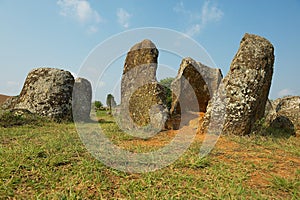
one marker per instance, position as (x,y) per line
(82,98)
(143,100)
(47,92)
(245,89)
(203,80)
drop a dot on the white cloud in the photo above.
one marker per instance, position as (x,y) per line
(179,8)
(101,84)
(123,17)
(210,13)
(194,30)
(80,10)
(198,21)
(285,92)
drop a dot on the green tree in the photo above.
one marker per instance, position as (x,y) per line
(98,105)
(166,83)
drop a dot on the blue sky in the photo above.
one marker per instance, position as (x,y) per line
(62,33)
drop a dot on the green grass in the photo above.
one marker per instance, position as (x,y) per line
(286,185)
(10,119)
(50,162)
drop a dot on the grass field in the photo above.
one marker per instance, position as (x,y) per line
(50,162)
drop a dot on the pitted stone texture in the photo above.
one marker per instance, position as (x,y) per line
(82,99)
(146,105)
(47,92)
(246,85)
(140,90)
(143,53)
(270,111)
(203,81)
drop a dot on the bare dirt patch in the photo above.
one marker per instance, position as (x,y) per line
(261,162)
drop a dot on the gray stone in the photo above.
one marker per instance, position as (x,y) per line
(285,114)
(82,100)
(203,80)
(246,87)
(270,111)
(113,102)
(212,77)
(47,92)
(140,90)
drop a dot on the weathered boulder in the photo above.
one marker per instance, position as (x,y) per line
(140,91)
(242,98)
(289,107)
(142,54)
(285,114)
(82,100)
(146,106)
(203,81)
(47,92)
(212,77)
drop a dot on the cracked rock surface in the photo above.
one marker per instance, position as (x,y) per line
(246,87)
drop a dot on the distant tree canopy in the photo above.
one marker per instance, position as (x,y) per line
(98,105)
(166,83)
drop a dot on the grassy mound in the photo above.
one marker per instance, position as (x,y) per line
(19,117)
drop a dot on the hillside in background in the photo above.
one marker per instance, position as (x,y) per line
(3,98)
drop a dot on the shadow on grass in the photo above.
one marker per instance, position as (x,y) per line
(103,121)
(99,121)
(280,127)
